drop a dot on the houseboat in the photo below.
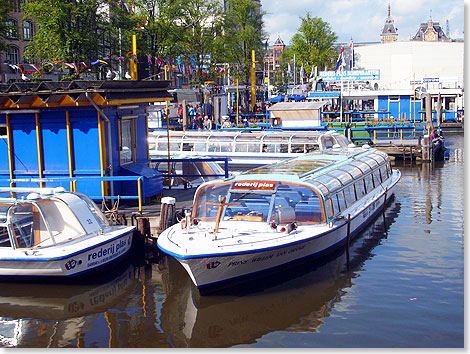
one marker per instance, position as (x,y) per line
(245,149)
(46,232)
(278,214)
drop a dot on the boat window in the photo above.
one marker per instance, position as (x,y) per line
(369,183)
(342,141)
(339,201)
(200,147)
(188,146)
(4,237)
(248,206)
(343,176)
(275,148)
(26,225)
(383,172)
(360,191)
(163,145)
(349,195)
(299,203)
(329,208)
(206,207)
(327,142)
(100,218)
(330,182)
(297,148)
(361,165)
(241,147)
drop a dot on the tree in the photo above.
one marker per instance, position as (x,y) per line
(201,26)
(5,7)
(156,23)
(243,32)
(313,43)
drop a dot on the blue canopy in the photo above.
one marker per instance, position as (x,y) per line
(278,98)
(296,98)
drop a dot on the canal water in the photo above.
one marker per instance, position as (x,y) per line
(403,287)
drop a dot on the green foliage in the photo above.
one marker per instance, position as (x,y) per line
(313,43)
(5,7)
(243,32)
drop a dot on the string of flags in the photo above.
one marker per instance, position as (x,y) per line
(178,67)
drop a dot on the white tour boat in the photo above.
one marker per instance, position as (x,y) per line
(279,214)
(245,150)
(48,232)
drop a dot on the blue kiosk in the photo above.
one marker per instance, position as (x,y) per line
(88,136)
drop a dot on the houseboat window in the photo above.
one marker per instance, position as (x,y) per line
(301,203)
(4,237)
(127,140)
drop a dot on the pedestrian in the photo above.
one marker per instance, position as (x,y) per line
(207,123)
(434,135)
(200,122)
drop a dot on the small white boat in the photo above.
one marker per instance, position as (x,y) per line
(279,214)
(46,232)
(244,150)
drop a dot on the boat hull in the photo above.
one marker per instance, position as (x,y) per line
(217,269)
(71,263)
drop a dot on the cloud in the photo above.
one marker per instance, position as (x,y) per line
(363,20)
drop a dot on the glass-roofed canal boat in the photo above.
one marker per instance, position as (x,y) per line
(48,232)
(278,214)
(244,150)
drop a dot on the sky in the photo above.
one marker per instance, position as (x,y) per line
(362,20)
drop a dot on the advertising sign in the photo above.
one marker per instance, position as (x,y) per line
(352,75)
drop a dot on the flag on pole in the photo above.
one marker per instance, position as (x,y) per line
(302,72)
(340,59)
(351,61)
(289,69)
(312,73)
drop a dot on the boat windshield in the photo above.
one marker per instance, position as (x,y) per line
(260,201)
(43,223)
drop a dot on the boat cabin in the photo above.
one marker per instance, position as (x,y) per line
(219,143)
(33,218)
(310,189)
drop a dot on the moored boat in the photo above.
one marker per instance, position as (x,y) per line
(278,214)
(244,150)
(46,232)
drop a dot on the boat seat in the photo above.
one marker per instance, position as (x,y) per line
(285,215)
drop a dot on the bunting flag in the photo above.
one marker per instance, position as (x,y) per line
(36,68)
(129,53)
(14,67)
(107,58)
(98,61)
(120,58)
(20,68)
(149,59)
(44,63)
(82,63)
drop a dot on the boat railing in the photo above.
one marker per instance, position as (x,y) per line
(73,185)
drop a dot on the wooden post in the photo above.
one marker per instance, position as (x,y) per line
(428,112)
(185,116)
(439,110)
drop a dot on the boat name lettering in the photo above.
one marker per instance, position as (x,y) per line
(236,263)
(257,185)
(105,254)
(263,258)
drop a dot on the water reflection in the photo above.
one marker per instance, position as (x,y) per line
(53,315)
(298,299)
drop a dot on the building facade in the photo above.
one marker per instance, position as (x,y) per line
(389,32)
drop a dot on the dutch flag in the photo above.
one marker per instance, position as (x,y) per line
(339,63)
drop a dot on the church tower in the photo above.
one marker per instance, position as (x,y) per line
(389,32)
